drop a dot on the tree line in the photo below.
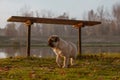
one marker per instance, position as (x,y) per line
(109,29)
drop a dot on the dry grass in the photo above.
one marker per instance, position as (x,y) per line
(89,67)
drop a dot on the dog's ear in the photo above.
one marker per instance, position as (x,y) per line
(53,39)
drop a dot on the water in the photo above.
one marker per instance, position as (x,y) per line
(2,55)
(18,52)
(47,51)
(101,50)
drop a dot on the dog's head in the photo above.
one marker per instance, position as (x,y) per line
(53,41)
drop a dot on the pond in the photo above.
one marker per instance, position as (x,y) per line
(6,52)
(18,52)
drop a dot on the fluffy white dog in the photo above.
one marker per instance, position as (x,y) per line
(64,49)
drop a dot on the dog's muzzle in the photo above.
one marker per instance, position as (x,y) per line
(50,43)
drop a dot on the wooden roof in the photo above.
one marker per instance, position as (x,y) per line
(52,21)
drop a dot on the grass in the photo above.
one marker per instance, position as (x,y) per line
(89,67)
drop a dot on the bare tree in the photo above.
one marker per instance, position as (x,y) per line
(25,11)
(10,30)
(116,14)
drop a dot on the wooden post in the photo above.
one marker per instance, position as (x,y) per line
(28,24)
(79,43)
(79,27)
(29,41)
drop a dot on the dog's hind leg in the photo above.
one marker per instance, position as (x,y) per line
(66,62)
(72,61)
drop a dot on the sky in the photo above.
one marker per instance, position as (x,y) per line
(75,8)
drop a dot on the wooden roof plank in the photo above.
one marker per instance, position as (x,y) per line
(51,21)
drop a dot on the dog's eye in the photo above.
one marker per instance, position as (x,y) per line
(53,40)
(57,39)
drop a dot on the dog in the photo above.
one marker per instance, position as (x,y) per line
(64,49)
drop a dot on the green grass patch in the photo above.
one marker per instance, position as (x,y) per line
(88,67)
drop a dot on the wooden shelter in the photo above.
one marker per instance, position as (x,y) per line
(30,20)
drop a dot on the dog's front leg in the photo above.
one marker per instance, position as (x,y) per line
(66,62)
(58,60)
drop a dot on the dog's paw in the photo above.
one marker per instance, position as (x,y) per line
(60,66)
(66,66)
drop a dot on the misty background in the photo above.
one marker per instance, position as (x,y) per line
(15,34)
(108,31)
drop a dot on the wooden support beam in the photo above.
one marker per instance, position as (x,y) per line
(79,42)
(28,23)
(52,21)
(79,26)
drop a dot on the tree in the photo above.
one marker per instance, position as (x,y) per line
(10,30)
(116,15)
(22,30)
